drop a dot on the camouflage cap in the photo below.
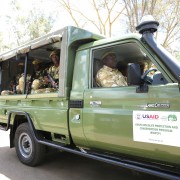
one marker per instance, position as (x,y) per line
(21,64)
(55,52)
(107,54)
(36,61)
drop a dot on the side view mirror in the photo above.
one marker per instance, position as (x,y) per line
(133,74)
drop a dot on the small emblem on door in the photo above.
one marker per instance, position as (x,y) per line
(158,105)
(95,103)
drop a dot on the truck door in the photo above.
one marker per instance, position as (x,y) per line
(109,113)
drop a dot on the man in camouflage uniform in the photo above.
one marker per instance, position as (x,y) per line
(20,79)
(109,75)
(37,78)
(14,86)
(20,87)
(52,78)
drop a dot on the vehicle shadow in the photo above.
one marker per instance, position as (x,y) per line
(80,167)
(63,166)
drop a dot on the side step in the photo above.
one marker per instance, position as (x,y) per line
(128,165)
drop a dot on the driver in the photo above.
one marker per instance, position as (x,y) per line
(109,75)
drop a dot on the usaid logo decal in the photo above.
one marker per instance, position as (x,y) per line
(147,116)
(155,116)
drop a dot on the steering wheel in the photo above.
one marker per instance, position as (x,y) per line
(147,78)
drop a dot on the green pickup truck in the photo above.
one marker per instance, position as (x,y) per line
(135,126)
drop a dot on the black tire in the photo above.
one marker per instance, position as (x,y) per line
(28,150)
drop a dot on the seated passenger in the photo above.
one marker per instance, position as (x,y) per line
(37,78)
(52,76)
(109,75)
(20,79)
(18,76)
(16,86)
(20,87)
(7,92)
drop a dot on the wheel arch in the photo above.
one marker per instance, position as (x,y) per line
(18,117)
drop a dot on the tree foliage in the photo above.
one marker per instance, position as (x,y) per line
(25,25)
(103,14)
(167,12)
(107,17)
(128,13)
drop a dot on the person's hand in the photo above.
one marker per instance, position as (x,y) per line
(54,85)
(46,80)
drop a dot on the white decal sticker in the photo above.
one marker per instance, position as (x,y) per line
(157,127)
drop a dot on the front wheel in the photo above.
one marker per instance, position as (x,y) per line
(28,150)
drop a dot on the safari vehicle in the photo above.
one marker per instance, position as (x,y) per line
(135,126)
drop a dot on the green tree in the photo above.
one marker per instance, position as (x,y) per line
(167,12)
(28,24)
(39,24)
(105,14)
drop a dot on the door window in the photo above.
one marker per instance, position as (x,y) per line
(124,65)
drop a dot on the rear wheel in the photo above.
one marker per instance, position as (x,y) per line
(28,150)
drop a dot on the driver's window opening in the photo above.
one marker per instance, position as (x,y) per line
(32,73)
(124,65)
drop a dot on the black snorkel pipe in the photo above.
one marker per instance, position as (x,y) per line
(147,29)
